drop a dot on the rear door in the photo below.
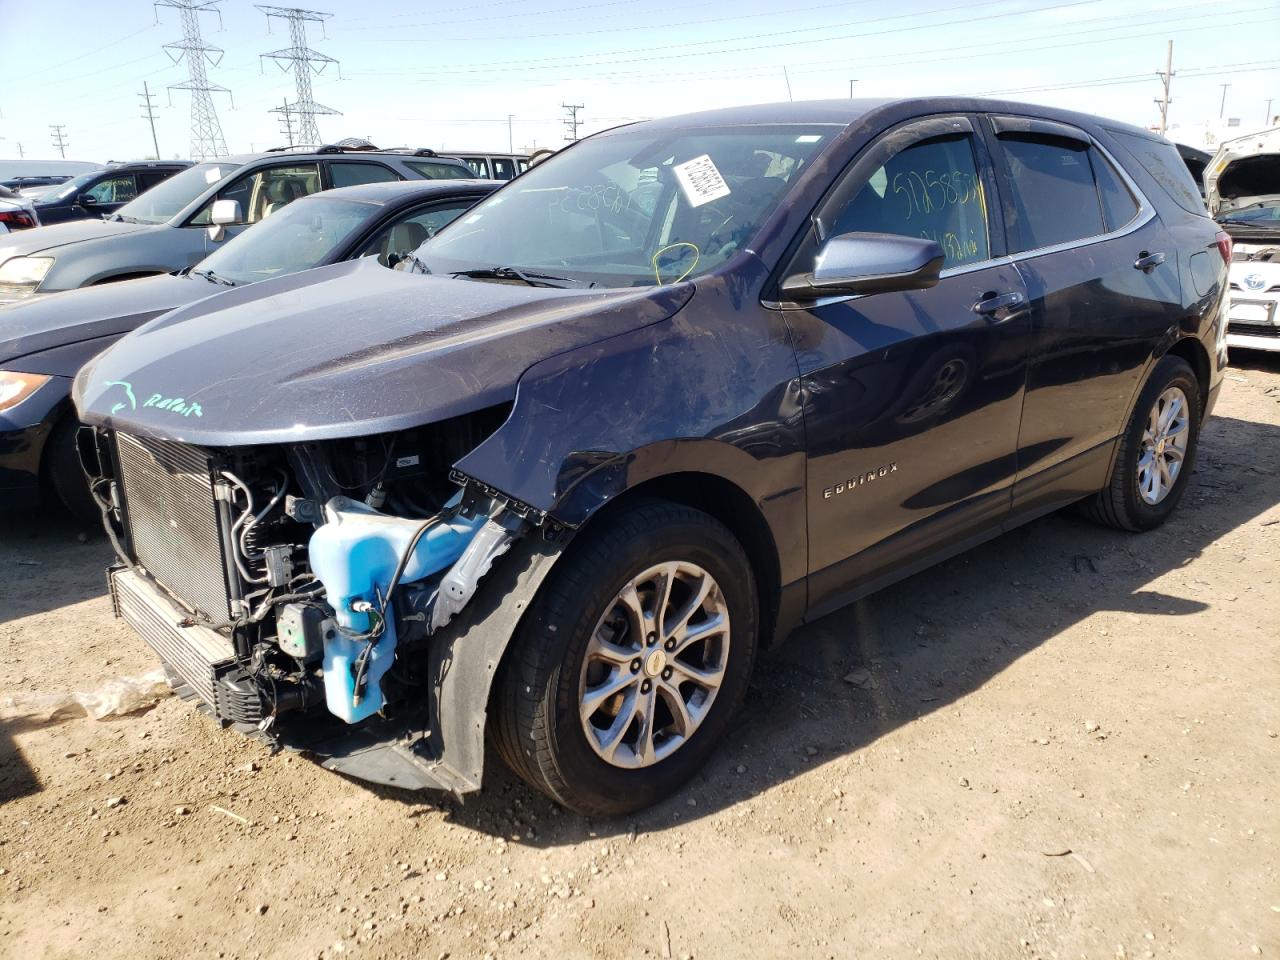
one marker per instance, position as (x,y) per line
(1102,277)
(911,400)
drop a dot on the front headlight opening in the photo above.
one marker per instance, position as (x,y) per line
(25,271)
(16,387)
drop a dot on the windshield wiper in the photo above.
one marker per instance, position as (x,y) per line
(213,277)
(123,219)
(515,273)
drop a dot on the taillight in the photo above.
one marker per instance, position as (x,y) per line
(1224,242)
(17,219)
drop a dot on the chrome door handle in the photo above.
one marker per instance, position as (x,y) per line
(993,304)
(1147,262)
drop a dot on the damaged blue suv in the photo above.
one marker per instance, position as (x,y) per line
(640,413)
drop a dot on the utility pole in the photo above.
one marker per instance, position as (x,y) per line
(1222,110)
(149,115)
(1167,79)
(510,141)
(571,121)
(303,61)
(1266,120)
(286,119)
(851,83)
(21,155)
(59,138)
(206,131)
(787,79)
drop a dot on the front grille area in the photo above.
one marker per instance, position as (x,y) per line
(173,521)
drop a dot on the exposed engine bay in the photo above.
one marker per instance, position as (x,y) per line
(291,580)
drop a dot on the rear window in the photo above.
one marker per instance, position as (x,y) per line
(1164,164)
(432,170)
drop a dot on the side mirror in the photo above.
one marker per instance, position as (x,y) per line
(860,263)
(86,200)
(224,212)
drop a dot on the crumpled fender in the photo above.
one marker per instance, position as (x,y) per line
(439,745)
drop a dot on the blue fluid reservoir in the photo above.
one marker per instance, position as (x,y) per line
(356,549)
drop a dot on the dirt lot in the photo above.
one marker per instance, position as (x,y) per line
(1063,744)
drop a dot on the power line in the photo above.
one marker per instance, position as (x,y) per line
(571,121)
(149,115)
(206,131)
(59,138)
(302,60)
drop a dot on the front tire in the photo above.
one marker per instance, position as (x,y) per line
(632,660)
(65,476)
(1157,452)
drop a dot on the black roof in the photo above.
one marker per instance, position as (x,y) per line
(845,112)
(406,191)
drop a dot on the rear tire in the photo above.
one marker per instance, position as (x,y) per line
(657,603)
(65,476)
(1141,494)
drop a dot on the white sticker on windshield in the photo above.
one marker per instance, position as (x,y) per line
(213,175)
(701,181)
(809,138)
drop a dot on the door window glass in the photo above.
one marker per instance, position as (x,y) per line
(148,180)
(118,189)
(1054,196)
(395,240)
(931,190)
(350,173)
(502,168)
(267,190)
(478,166)
(1118,204)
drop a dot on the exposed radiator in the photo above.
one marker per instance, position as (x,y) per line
(173,522)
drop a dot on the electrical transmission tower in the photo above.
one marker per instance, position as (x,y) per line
(302,60)
(206,132)
(571,121)
(59,138)
(149,114)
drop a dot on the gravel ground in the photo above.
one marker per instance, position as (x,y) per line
(1062,744)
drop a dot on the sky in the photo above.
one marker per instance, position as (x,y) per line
(448,76)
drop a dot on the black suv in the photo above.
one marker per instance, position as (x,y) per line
(103,192)
(171,226)
(681,387)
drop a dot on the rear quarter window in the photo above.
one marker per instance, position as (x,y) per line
(1162,162)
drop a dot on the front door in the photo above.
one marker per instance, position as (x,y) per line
(911,400)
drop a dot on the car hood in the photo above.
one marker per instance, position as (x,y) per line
(1243,172)
(26,243)
(60,319)
(349,349)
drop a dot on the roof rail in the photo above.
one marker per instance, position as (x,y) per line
(344,146)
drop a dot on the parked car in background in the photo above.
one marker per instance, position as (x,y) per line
(103,192)
(28,169)
(1196,161)
(493,166)
(172,226)
(1244,194)
(44,341)
(666,395)
(16,211)
(33,183)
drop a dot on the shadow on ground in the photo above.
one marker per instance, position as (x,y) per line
(926,643)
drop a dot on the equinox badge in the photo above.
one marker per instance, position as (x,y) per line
(860,479)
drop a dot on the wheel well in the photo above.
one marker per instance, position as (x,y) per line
(1192,350)
(733,507)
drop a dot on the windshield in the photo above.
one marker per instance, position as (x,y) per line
(298,237)
(1265,211)
(69,188)
(632,208)
(165,199)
